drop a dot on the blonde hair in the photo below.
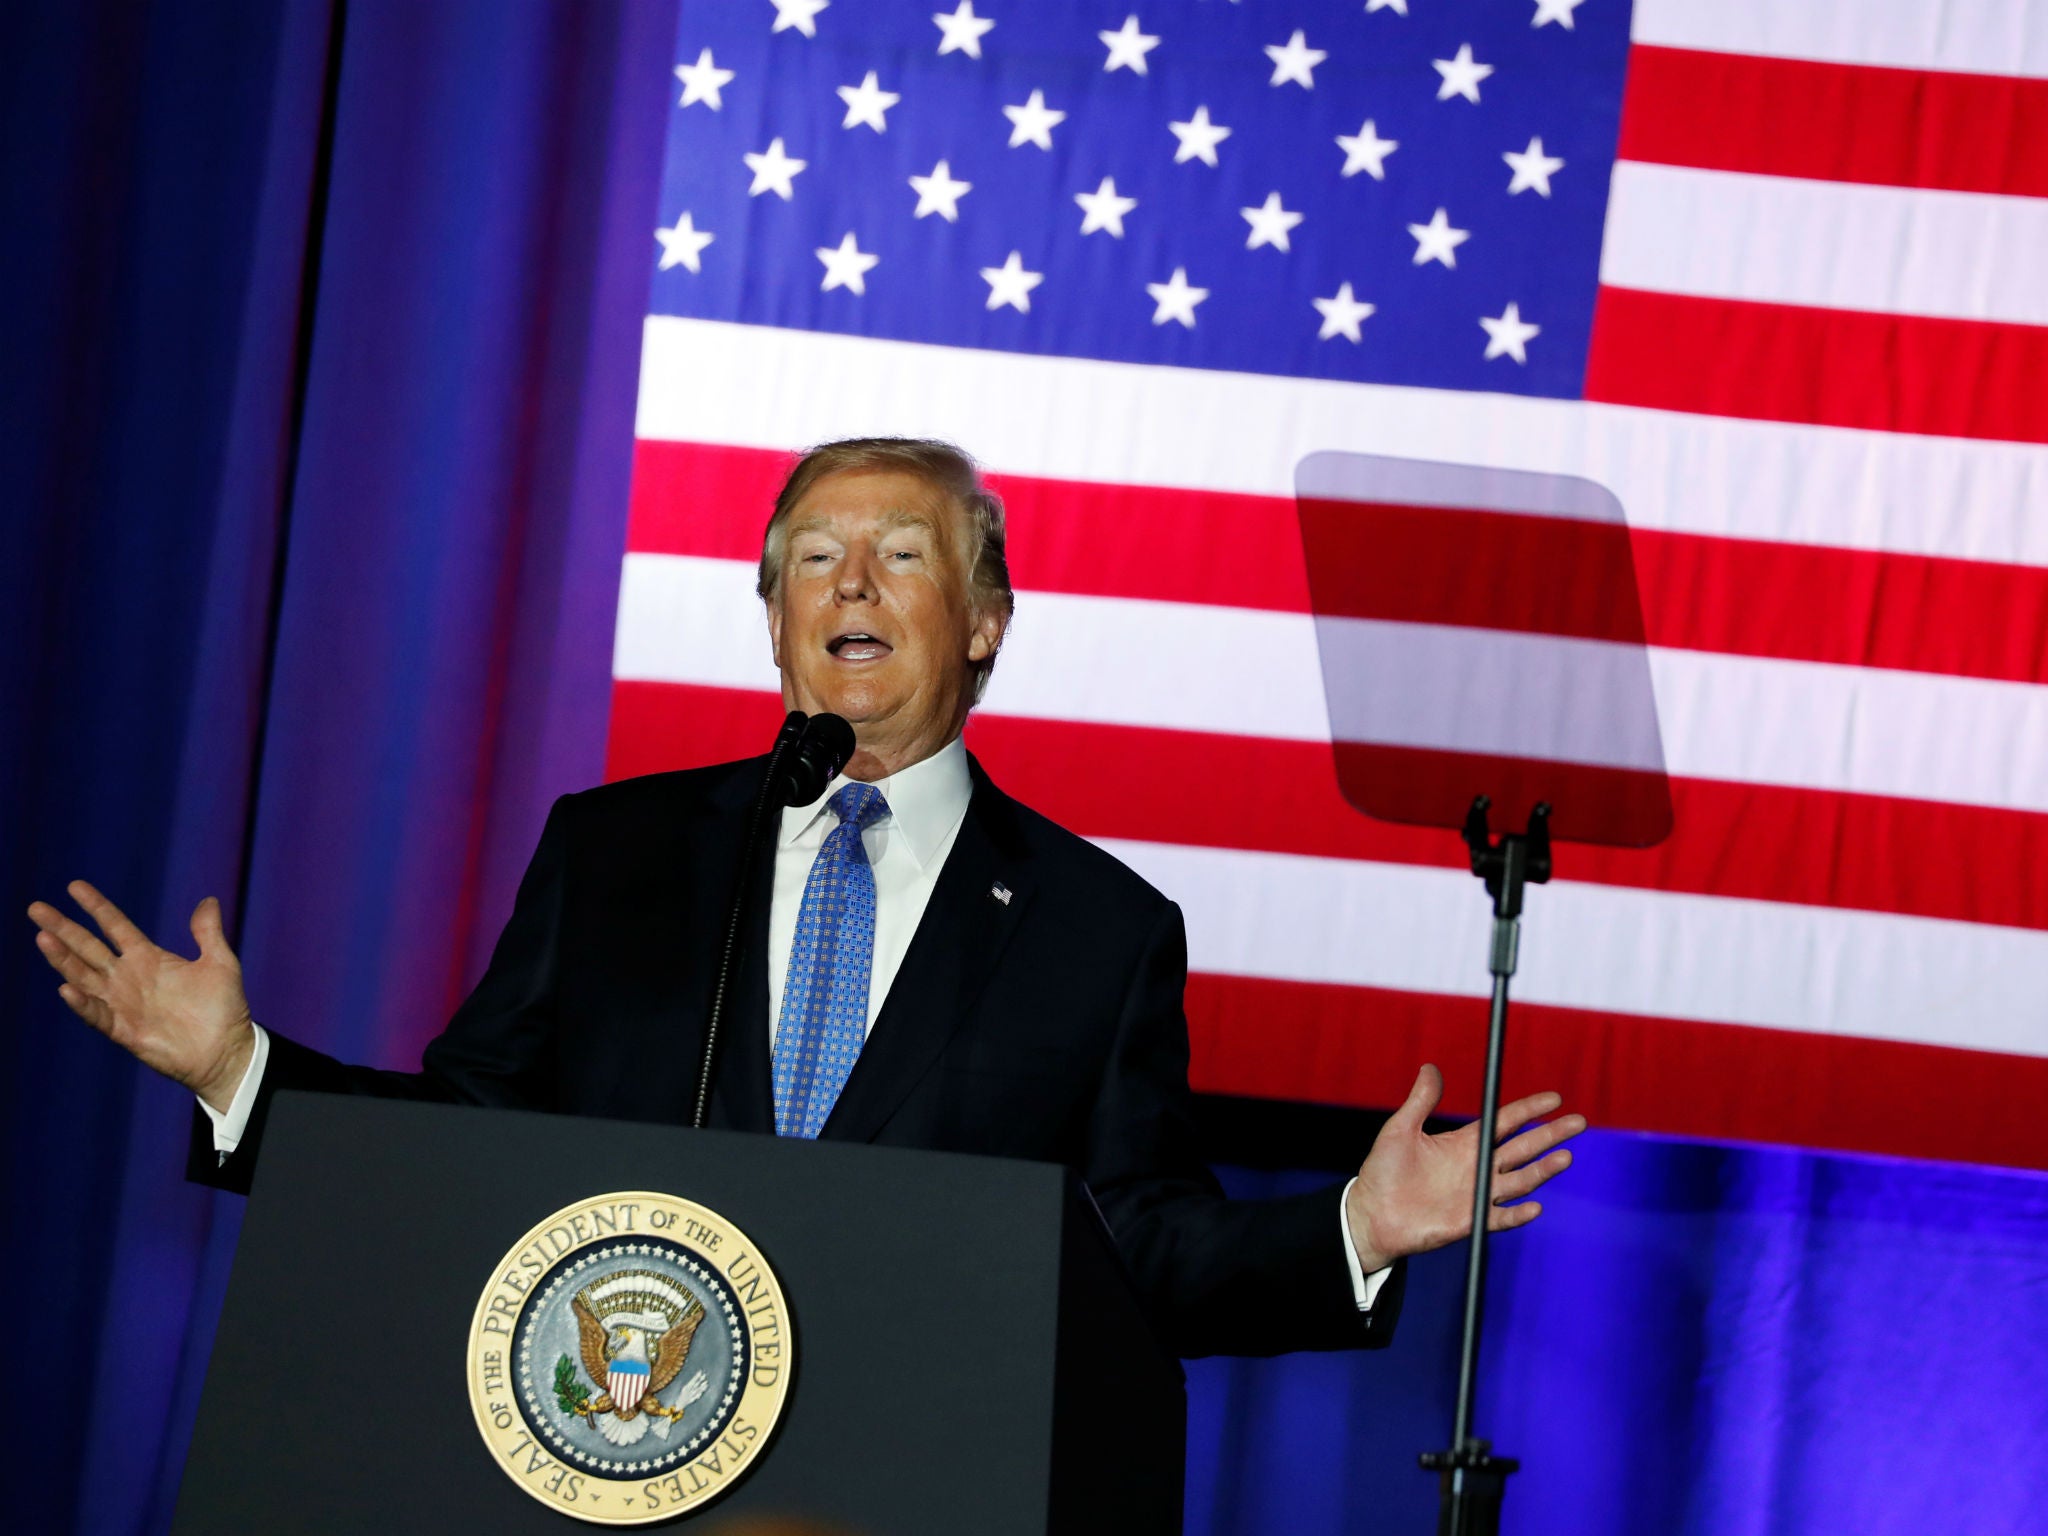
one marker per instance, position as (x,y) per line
(945,469)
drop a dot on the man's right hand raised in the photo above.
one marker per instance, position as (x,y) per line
(188,1019)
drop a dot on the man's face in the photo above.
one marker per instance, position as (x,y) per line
(872,621)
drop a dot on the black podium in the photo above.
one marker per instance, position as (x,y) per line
(968,1355)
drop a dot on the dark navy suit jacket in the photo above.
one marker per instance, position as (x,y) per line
(1046,1027)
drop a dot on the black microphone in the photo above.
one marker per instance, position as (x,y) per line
(824,744)
(808,753)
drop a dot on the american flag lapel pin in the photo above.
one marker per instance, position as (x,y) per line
(1000,892)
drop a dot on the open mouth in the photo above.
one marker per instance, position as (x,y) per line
(858,645)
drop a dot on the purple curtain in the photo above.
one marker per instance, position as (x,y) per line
(318,410)
(1694,1340)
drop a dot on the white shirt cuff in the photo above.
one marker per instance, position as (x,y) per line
(229,1126)
(1365,1289)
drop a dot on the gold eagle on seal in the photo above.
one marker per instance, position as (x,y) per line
(634,1330)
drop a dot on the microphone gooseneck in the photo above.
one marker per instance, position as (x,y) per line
(807,755)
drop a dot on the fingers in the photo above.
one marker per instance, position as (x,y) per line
(90,1009)
(112,920)
(1507,1218)
(208,930)
(69,964)
(1429,1089)
(1522,1165)
(81,959)
(1532,1144)
(1421,1101)
(74,937)
(1522,1181)
(1513,1117)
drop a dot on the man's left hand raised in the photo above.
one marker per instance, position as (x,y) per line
(1414,1191)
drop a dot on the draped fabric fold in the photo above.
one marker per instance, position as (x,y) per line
(323,327)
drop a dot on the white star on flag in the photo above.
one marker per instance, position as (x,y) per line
(1198,138)
(1270,223)
(1508,334)
(1532,168)
(1175,299)
(800,14)
(1010,284)
(1559,11)
(1127,47)
(773,171)
(1398,6)
(1366,151)
(866,102)
(1104,208)
(1461,75)
(939,193)
(702,81)
(1033,122)
(846,266)
(1437,241)
(681,246)
(1294,60)
(1341,314)
(962,30)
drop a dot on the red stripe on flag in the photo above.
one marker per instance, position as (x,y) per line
(1827,367)
(660,727)
(703,498)
(1431,787)
(1758,842)
(1836,122)
(1183,546)
(1361,1046)
(1851,607)
(713,501)
(1739,596)
(1487,570)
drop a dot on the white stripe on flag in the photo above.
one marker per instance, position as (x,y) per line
(1610,949)
(1450,688)
(1245,672)
(1776,240)
(1986,37)
(1196,428)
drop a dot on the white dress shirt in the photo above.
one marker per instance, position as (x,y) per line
(229,1125)
(906,849)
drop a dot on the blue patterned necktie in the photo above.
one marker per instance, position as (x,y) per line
(825,999)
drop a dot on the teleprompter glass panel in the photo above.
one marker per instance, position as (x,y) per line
(1481,632)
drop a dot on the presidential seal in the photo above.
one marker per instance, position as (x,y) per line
(629,1358)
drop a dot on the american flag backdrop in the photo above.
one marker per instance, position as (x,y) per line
(1775,272)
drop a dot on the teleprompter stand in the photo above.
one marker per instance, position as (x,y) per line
(1482,644)
(1472,1479)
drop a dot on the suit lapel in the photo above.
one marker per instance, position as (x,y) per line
(742,1094)
(954,952)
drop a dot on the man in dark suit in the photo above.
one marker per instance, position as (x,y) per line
(932,965)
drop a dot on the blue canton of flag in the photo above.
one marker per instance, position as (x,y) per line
(1379,193)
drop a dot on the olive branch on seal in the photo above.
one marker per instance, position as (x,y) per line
(569,1392)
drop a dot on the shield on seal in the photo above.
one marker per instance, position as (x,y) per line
(626,1380)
